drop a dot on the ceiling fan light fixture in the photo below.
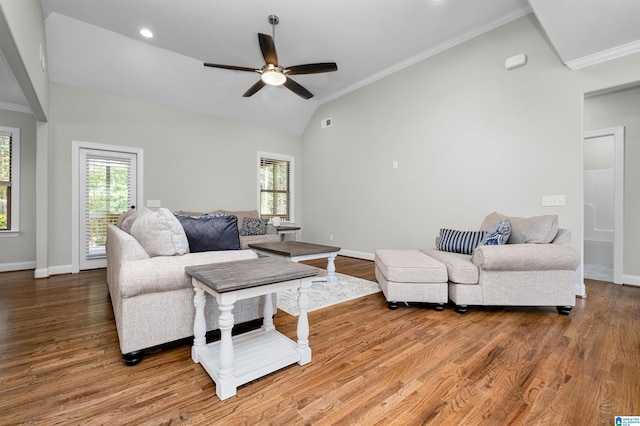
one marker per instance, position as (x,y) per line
(273,77)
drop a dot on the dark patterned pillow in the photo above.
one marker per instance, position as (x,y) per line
(459,241)
(498,235)
(211,233)
(254,226)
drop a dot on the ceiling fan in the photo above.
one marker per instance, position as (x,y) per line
(273,74)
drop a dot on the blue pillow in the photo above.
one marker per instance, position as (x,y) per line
(459,241)
(498,235)
(211,233)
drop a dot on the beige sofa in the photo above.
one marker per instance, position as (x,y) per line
(270,236)
(152,297)
(535,267)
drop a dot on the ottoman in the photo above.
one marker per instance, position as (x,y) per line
(411,276)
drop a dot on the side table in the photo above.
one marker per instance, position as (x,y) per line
(233,361)
(288,229)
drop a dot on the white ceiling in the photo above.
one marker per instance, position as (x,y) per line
(96,43)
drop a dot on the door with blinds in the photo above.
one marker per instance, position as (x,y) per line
(107,189)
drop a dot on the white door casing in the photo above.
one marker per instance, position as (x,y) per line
(80,260)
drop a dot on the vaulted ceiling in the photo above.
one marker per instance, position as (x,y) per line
(97,44)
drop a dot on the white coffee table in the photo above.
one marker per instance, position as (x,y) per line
(297,251)
(233,361)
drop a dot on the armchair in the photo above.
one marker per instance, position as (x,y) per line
(535,268)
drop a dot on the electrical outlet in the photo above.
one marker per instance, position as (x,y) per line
(553,200)
(330,237)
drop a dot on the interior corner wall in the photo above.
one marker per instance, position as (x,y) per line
(622,108)
(23,42)
(191,161)
(19,252)
(468,136)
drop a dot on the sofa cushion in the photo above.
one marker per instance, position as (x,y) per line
(254,226)
(126,220)
(460,269)
(159,232)
(498,235)
(240,214)
(409,266)
(534,230)
(124,216)
(459,241)
(210,233)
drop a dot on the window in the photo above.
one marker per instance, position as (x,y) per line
(9,182)
(276,186)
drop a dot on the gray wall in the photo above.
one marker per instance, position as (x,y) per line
(22,39)
(191,162)
(469,136)
(622,108)
(19,252)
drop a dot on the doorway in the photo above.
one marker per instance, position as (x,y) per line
(106,184)
(604,204)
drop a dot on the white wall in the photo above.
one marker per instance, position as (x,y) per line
(469,136)
(191,162)
(622,108)
(18,252)
(22,38)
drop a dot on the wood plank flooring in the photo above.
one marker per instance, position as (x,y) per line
(60,363)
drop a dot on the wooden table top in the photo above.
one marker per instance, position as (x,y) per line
(294,248)
(229,276)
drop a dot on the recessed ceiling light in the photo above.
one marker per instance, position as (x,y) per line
(146,33)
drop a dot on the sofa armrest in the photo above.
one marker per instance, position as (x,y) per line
(526,257)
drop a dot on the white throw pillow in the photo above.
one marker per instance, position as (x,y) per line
(159,233)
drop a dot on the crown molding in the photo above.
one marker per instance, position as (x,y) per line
(605,55)
(428,53)
(15,107)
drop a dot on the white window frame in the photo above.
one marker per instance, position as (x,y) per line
(15,181)
(283,157)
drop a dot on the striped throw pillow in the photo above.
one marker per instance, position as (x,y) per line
(459,241)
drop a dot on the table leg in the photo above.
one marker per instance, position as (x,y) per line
(267,322)
(303,322)
(227,386)
(199,323)
(331,269)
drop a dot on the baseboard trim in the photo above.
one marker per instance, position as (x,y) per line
(17,266)
(61,269)
(41,273)
(357,254)
(633,280)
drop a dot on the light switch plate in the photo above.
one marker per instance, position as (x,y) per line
(553,200)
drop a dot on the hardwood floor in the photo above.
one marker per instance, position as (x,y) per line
(60,363)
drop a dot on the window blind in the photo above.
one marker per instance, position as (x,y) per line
(107,195)
(5,180)
(275,188)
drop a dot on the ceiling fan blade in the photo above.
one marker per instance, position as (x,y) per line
(312,68)
(268,48)
(253,89)
(230,67)
(297,89)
